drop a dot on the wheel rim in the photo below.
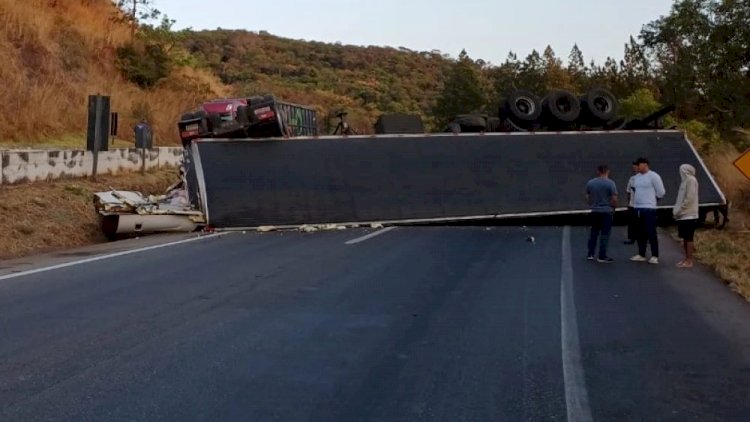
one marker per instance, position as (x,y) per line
(602,105)
(525,105)
(564,105)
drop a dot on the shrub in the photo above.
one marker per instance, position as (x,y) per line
(144,65)
(641,103)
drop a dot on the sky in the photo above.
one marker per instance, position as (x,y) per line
(487,29)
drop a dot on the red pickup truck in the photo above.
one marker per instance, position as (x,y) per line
(254,117)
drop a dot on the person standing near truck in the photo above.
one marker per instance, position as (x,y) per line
(630,216)
(686,212)
(602,196)
(648,188)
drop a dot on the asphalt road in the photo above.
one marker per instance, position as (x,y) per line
(427,323)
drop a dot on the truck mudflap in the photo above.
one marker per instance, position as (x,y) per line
(127,212)
(426,178)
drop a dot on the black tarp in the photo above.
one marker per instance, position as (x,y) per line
(391,178)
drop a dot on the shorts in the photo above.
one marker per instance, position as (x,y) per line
(686,229)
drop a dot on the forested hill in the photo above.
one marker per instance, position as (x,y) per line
(695,57)
(364,80)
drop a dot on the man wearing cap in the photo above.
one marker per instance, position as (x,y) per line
(647,189)
(631,217)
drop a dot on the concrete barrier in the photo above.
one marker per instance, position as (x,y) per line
(23,166)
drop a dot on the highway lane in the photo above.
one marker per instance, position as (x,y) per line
(420,323)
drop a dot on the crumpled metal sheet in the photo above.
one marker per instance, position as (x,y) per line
(129,202)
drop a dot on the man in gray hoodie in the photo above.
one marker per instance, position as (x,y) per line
(685,211)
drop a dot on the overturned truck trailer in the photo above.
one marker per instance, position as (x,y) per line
(424,178)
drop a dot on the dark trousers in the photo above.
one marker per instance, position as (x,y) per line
(601,227)
(646,219)
(632,224)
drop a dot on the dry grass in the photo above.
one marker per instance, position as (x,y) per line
(41,217)
(728,251)
(57,52)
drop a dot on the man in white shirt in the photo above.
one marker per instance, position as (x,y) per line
(647,188)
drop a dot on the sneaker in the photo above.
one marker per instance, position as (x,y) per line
(638,258)
(606,260)
(590,257)
(654,260)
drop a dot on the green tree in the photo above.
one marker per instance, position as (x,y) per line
(634,67)
(577,69)
(504,79)
(462,92)
(701,52)
(531,75)
(136,11)
(640,103)
(555,75)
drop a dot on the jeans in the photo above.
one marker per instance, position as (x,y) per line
(647,231)
(632,224)
(601,227)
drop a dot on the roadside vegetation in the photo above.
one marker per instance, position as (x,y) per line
(40,217)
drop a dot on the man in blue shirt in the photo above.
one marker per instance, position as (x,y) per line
(602,197)
(647,188)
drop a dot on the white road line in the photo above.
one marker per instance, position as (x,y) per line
(576,396)
(108,256)
(370,236)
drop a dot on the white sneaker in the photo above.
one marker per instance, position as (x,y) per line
(638,258)
(654,260)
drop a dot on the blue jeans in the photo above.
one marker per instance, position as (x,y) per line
(601,227)
(647,231)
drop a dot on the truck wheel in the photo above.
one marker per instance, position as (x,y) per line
(471,123)
(599,106)
(511,126)
(561,108)
(187,116)
(522,107)
(254,100)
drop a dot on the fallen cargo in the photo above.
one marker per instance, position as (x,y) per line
(127,212)
(425,178)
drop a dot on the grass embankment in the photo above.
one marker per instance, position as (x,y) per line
(41,217)
(56,53)
(728,251)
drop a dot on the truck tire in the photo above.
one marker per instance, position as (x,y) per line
(254,100)
(453,127)
(200,114)
(471,123)
(598,106)
(521,107)
(187,116)
(510,126)
(560,109)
